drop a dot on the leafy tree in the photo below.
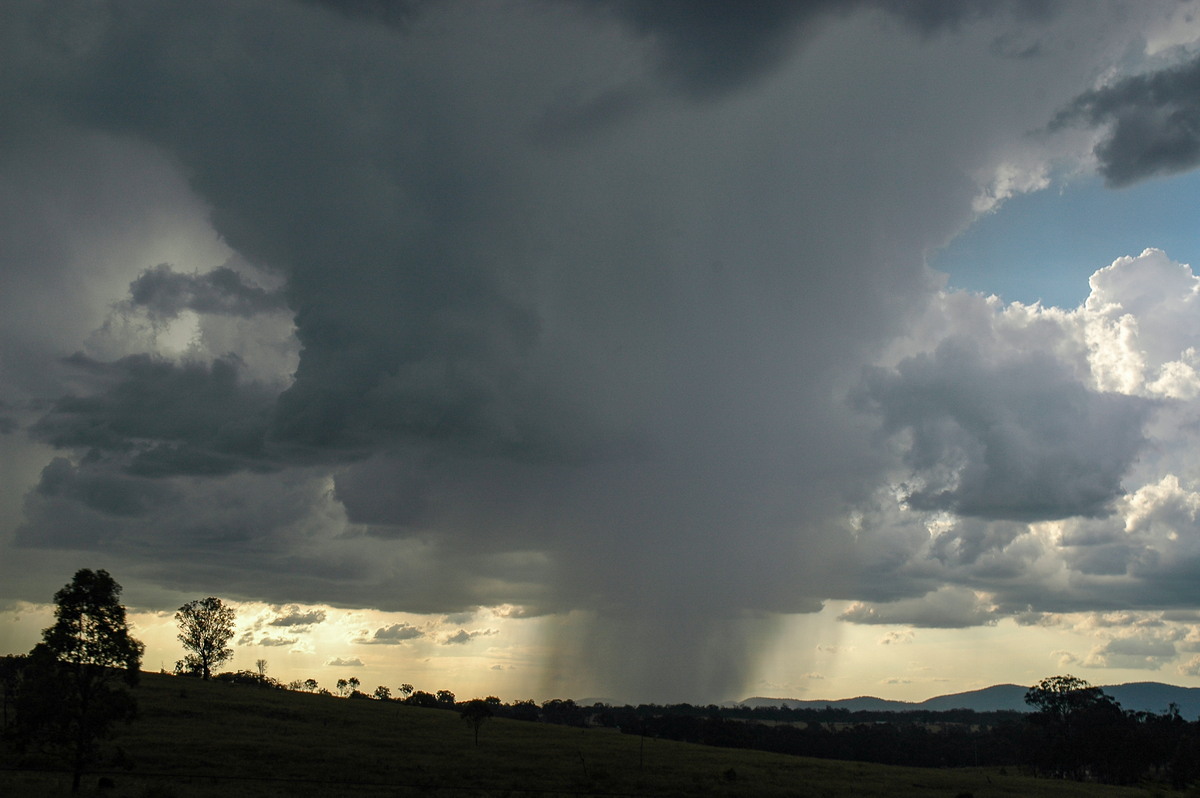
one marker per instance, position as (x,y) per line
(353,684)
(405,690)
(69,696)
(420,698)
(383,693)
(1058,697)
(1077,730)
(205,627)
(310,685)
(445,698)
(342,686)
(476,712)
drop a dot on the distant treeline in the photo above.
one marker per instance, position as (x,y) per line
(1076,731)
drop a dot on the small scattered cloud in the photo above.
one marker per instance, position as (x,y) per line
(294,616)
(896,638)
(339,662)
(277,641)
(1064,658)
(463,636)
(392,635)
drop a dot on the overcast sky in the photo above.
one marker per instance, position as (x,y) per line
(643,350)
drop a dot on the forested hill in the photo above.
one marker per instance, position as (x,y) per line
(1137,696)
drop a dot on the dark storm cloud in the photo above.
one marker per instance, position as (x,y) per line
(161,418)
(709,47)
(931,16)
(396,13)
(164,293)
(1152,120)
(99,489)
(1017,440)
(712,46)
(604,379)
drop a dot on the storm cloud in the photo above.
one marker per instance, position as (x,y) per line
(1151,123)
(614,313)
(1014,440)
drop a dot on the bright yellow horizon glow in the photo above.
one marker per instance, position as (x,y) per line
(815,656)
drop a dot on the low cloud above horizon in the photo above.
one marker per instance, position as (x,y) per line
(610,318)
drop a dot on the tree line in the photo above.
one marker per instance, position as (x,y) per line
(65,696)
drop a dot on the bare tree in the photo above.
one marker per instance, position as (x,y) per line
(261,665)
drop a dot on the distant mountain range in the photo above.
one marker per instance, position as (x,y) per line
(1137,696)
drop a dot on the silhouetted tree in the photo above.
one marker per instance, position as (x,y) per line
(405,690)
(1076,729)
(420,698)
(11,668)
(445,698)
(310,685)
(261,666)
(526,710)
(205,627)
(383,693)
(476,712)
(343,687)
(353,684)
(69,698)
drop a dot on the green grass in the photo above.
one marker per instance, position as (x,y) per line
(200,739)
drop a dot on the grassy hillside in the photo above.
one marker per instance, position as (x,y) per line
(200,739)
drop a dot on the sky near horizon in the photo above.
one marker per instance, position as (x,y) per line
(629,349)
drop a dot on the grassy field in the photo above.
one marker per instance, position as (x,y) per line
(200,739)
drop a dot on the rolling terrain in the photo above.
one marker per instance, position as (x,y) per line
(198,738)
